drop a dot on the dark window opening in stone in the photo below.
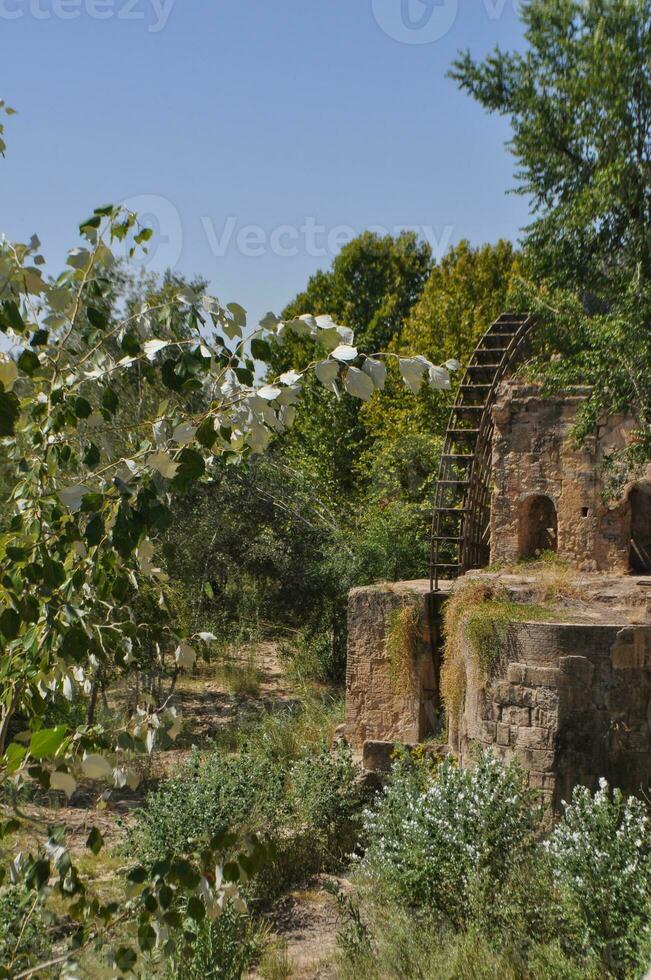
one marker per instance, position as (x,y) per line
(538,527)
(585,512)
(640,503)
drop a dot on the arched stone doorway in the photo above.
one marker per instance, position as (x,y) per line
(639,500)
(538,530)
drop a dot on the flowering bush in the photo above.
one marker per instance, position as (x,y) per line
(438,844)
(601,856)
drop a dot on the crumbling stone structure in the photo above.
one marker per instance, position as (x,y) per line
(548,493)
(571,702)
(570,695)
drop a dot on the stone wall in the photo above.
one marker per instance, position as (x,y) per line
(388,701)
(534,454)
(570,701)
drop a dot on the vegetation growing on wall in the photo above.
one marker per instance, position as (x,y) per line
(476,620)
(402,635)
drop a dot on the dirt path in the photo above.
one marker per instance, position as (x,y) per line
(304,924)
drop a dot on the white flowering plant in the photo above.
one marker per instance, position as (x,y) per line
(435,843)
(601,860)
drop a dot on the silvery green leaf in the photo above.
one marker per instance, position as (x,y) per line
(185,655)
(188,295)
(286,415)
(453,364)
(206,637)
(288,396)
(325,322)
(211,305)
(269,392)
(184,433)
(344,352)
(258,436)
(413,371)
(327,372)
(72,496)
(358,384)
(153,346)
(329,338)
(97,767)
(269,321)
(161,432)
(308,319)
(346,334)
(376,370)
(8,371)
(63,781)
(238,313)
(300,327)
(163,464)
(439,378)
(104,256)
(290,377)
(145,553)
(78,258)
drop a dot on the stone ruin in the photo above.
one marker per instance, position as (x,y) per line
(570,694)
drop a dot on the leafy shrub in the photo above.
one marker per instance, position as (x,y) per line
(223,949)
(300,797)
(210,793)
(23,936)
(460,836)
(601,854)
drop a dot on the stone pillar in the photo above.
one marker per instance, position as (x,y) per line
(391,686)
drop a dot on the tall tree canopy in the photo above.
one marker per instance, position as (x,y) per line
(372,285)
(579,103)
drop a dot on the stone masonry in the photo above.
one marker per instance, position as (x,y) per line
(534,457)
(570,701)
(385,701)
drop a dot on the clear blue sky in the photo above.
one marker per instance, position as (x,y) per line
(224,114)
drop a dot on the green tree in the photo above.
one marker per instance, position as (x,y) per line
(92,484)
(579,103)
(371,287)
(465,292)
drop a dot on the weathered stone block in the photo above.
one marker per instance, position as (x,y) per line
(503,734)
(576,670)
(516,716)
(542,676)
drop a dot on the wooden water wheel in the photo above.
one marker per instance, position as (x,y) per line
(460,522)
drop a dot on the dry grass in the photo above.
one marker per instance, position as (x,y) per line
(400,644)
(479,612)
(552,577)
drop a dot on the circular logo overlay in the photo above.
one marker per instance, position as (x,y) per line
(158,213)
(415,21)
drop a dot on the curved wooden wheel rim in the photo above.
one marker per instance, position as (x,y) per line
(461,517)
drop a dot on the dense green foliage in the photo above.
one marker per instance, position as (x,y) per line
(284,784)
(579,103)
(462,850)
(344,498)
